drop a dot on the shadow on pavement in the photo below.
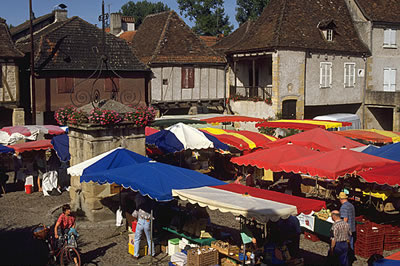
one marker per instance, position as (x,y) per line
(91,256)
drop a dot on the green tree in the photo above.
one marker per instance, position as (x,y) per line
(249,9)
(208,15)
(141,9)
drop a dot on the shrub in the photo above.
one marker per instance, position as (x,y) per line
(62,114)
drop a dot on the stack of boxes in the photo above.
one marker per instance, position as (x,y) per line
(142,248)
(369,239)
(392,237)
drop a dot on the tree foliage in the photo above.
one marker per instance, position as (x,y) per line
(249,9)
(141,9)
(208,15)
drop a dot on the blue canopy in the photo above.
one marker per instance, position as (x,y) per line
(179,136)
(61,146)
(391,152)
(5,149)
(152,179)
(118,158)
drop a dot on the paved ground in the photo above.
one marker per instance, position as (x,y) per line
(99,243)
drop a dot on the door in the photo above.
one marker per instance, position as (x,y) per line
(289,109)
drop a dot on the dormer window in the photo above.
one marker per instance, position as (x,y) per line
(329,35)
(327,28)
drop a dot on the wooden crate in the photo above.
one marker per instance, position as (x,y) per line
(208,256)
(225,247)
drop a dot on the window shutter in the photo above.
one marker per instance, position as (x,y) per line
(393,80)
(353,75)
(386,37)
(321,73)
(330,74)
(392,37)
(386,79)
(184,83)
(345,74)
(65,85)
(191,77)
(109,85)
(187,77)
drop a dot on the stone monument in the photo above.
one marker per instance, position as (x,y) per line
(89,140)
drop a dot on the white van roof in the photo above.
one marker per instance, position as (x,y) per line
(338,117)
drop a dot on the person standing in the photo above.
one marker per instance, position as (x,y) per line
(340,237)
(347,213)
(250,182)
(17,160)
(144,205)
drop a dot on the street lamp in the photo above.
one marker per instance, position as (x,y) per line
(33,88)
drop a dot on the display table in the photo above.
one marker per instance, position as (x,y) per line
(200,241)
(322,228)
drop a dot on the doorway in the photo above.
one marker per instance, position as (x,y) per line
(289,109)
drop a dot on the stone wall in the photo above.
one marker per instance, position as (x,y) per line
(87,141)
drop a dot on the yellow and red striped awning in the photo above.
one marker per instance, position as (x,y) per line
(242,140)
(372,135)
(303,124)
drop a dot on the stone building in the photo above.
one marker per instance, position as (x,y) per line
(304,54)
(74,67)
(187,73)
(9,79)
(378,24)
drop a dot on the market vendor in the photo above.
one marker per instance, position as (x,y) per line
(290,231)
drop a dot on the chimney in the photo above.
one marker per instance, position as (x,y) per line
(60,15)
(115,23)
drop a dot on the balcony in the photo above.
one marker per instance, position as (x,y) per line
(251,91)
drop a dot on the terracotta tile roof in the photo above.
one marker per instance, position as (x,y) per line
(165,38)
(380,10)
(26,24)
(292,25)
(7,47)
(128,35)
(230,41)
(75,44)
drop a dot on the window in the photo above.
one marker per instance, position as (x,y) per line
(325,75)
(389,79)
(389,38)
(110,84)
(329,35)
(165,82)
(65,85)
(349,74)
(187,77)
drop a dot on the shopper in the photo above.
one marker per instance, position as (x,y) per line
(340,236)
(347,213)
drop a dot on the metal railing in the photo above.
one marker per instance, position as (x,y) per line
(252,91)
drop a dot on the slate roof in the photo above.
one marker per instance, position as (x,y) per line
(164,38)
(292,25)
(7,47)
(380,10)
(75,44)
(26,24)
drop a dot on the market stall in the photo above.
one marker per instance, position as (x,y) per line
(233,118)
(371,135)
(390,151)
(303,124)
(385,175)
(318,139)
(10,135)
(36,145)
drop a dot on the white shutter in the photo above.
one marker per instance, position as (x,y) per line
(321,73)
(386,79)
(330,74)
(393,37)
(386,37)
(345,75)
(353,74)
(393,80)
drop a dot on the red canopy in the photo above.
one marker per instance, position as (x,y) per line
(334,164)
(365,135)
(318,139)
(27,130)
(43,144)
(303,205)
(233,118)
(149,131)
(388,174)
(271,158)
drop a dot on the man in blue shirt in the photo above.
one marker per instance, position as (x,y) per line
(347,213)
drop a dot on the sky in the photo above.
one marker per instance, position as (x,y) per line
(17,11)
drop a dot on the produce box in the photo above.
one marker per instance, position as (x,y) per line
(225,247)
(322,227)
(142,250)
(202,256)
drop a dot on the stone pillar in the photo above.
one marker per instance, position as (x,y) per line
(396,118)
(18,117)
(87,141)
(276,103)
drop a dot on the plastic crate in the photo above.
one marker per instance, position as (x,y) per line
(366,253)
(390,229)
(311,236)
(370,238)
(368,245)
(391,246)
(392,238)
(208,256)
(370,231)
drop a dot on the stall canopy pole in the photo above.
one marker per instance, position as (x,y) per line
(151,236)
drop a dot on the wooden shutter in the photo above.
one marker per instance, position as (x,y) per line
(352,75)
(109,85)
(392,37)
(329,66)
(187,77)
(393,80)
(65,85)
(386,79)
(321,75)
(346,75)
(386,37)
